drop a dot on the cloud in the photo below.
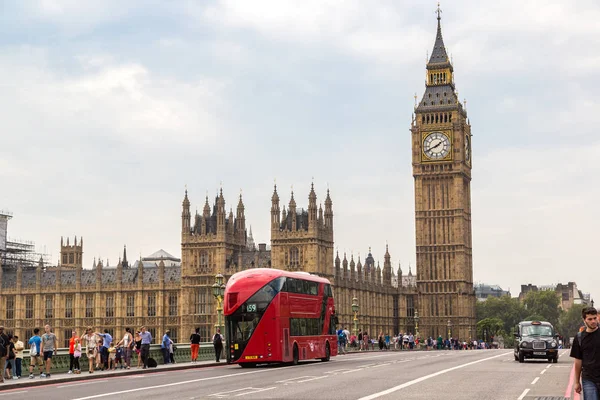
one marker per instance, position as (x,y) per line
(111,109)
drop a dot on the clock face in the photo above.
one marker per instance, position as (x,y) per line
(467,148)
(436,146)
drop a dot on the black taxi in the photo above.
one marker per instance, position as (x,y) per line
(536,339)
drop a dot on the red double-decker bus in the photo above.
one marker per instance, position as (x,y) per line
(278,316)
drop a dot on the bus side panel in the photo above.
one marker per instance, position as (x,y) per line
(284,328)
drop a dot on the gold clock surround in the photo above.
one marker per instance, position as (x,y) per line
(448,157)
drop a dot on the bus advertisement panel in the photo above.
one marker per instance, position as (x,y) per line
(278,316)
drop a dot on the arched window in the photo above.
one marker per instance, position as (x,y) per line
(204,261)
(294,257)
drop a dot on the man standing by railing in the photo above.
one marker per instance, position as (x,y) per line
(145,350)
(106,341)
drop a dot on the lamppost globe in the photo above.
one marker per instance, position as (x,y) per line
(355,311)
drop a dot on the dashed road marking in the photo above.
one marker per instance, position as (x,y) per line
(240,392)
(522,396)
(537,378)
(312,379)
(544,370)
(294,380)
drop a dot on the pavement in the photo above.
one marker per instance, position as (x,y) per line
(448,375)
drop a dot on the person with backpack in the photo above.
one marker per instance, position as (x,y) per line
(35,343)
(584,350)
(341,341)
(218,344)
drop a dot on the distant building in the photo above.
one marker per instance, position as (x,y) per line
(569,294)
(483,291)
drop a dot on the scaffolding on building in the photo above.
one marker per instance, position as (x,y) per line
(17,252)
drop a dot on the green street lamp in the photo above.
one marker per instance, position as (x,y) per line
(355,311)
(449,329)
(416,318)
(219,291)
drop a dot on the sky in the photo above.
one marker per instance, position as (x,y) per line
(110,109)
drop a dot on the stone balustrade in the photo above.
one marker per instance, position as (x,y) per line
(60,361)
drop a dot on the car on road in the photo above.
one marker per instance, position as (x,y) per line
(536,339)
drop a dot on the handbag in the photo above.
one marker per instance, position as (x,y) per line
(174,348)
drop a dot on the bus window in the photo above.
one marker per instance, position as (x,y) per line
(313,288)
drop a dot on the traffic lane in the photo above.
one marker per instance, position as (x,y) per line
(553,378)
(342,378)
(424,370)
(192,385)
(500,378)
(111,382)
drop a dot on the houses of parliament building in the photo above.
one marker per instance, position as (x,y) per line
(163,292)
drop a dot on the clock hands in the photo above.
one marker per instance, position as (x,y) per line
(433,147)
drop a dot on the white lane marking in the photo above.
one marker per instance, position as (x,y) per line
(248,390)
(544,370)
(336,371)
(110,394)
(79,384)
(423,378)
(522,396)
(13,393)
(549,365)
(313,379)
(352,370)
(537,378)
(367,365)
(294,379)
(380,365)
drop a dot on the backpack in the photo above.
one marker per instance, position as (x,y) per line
(342,337)
(34,351)
(217,340)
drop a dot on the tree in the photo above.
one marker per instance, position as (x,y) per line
(492,326)
(570,321)
(543,303)
(508,309)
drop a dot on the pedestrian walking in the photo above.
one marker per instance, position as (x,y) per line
(77,356)
(138,348)
(35,348)
(19,346)
(585,352)
(10,365)
(48,349)
(3,351)
(218,344)
(195,344)
(127,344)
(72,341)
(165,344)
(90,340)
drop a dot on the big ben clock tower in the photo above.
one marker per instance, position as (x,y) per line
(442,160)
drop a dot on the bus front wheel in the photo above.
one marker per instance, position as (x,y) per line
(295,355)
(327,353)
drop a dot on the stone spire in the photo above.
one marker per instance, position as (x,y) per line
(275,216)
(292,212)
(250,243)
(124,262)
(312,208)
(439,55)
(185,215)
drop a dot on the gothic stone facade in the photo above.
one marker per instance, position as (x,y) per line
(180,298)
(441,159)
